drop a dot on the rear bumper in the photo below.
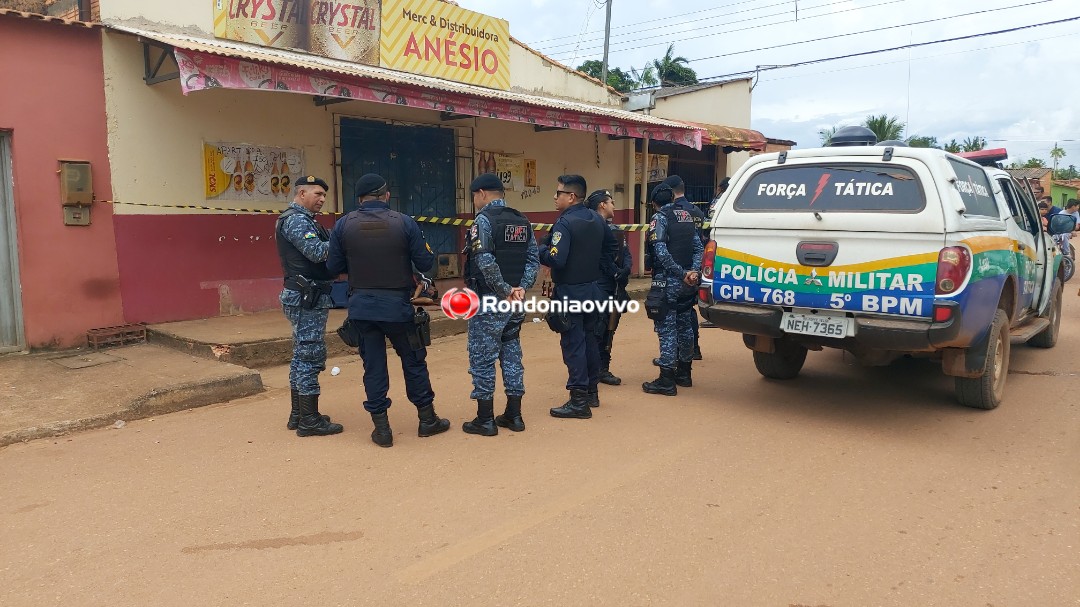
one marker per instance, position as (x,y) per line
(871,332)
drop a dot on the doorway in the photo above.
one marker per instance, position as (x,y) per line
(11,322)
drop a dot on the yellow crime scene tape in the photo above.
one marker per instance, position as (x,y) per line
(445,221)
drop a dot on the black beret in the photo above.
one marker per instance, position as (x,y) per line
(486,181)
(673,181)
(596,197)
(369,183)
(311,180)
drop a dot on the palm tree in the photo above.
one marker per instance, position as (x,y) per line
(672,71)
(1057,154)
(923,141)
(953,146)
(826,135)
(644,78)
(885,127)
(974,144)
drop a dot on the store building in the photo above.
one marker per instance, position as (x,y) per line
(205,132)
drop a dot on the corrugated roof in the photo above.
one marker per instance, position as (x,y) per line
(46,18)
(298,59)
(1036,173)
(731,136)
(671,91)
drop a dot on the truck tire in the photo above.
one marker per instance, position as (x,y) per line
(785,363)
(986,392)
(1049,336)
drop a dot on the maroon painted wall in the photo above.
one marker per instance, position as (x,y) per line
(54,107)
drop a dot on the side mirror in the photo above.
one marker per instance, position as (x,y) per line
(1061,224)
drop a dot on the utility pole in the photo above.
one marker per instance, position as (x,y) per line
(607,38)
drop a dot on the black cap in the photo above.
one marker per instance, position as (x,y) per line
(312,180)
(487,181)
(596,198)
(369,183)
(673,181)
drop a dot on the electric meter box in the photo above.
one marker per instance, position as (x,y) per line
(76,184)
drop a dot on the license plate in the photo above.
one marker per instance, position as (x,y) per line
(817,324)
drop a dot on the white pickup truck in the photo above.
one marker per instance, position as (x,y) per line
(883,252)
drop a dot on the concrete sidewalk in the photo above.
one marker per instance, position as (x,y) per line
(184,365)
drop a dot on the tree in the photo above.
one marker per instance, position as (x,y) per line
(1057,154)
(973,144)
(616,78)
(1034,163)
(885,127)
(826,135)
(672,71)
(644,78)
(1069,173)
(923,141)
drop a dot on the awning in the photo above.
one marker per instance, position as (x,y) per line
(731,137)
(207,63)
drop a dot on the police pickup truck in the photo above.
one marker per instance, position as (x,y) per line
(883,251)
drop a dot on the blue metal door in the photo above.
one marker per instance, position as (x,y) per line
(418,162)
(11,324)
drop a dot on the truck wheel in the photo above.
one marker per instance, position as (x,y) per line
(986,392)
(1048,338)
(785,363)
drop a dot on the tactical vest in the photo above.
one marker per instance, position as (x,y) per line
(680,235)
(293,262)
(586,247)
(510,241)
(377,250)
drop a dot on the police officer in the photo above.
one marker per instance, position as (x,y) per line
(502,262)
(302,245)
(679,189)
(614,276)
(675,252)
(573,251)
(379,249)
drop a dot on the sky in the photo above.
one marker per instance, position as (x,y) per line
(1019,90)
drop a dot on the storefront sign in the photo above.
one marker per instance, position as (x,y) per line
(200,71)
(439,39)
(658,167)
(237,171)
(428,37)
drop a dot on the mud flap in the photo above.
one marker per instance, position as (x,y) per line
(966,362)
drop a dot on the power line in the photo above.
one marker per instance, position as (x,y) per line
(869,31)
(764,68)
(635,46)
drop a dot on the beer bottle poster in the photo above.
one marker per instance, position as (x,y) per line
(238,171)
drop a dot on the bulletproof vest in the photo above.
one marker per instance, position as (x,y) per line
(510,241)
(680,235)
(293,262)
(377,250)
(586,247)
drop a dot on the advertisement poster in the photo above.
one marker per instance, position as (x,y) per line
(439,39)
(658,167)
(513,171)
(428,37)
(237,171)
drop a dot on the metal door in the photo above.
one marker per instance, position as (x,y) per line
(11,322)
(418,162)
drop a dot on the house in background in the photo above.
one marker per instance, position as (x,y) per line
(1064,190)
(1039,179)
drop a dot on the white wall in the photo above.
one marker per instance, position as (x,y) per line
(198,14)
(533,74)
(726,104)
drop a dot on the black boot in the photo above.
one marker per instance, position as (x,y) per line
(665,384)
(577,407)
(697,351)
(484,424)
(312,423)
(382,435)
(430,424)
(606,377)
(594,396)
(294,414)
(682,374)
(511,418)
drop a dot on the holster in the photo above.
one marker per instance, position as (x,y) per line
(686,298)
(310,290)
(348,334)
(656,303)
(558,322)
(420,335)
(512,329)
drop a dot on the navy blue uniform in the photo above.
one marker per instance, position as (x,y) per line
(303,245)
(380,263)
(495,336)
(675,328)
(615,275)
(699,224)
(574,251)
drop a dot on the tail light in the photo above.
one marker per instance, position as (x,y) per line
(953,269)
(708,259)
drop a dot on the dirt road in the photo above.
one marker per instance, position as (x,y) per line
(848,486)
